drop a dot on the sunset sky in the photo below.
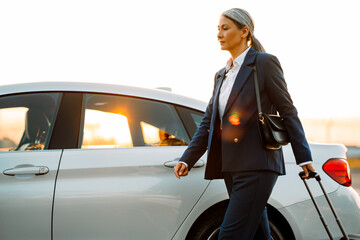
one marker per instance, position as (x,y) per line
(173,44)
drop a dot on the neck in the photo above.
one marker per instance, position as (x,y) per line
(238,51)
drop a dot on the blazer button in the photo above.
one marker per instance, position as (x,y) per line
(236,140)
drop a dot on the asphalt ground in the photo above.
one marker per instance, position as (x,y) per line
(355,179)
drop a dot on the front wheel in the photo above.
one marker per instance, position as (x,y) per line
(208,228)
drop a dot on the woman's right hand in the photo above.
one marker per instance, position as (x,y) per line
(181,170)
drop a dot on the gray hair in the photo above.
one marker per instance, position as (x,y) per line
(243,19)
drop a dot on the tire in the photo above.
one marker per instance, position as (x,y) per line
(207,228)
(276,233)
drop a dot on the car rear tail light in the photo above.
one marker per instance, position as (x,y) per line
(339,170)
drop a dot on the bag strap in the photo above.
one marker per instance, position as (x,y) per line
(257,92)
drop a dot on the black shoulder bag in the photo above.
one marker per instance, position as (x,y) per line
(272,131)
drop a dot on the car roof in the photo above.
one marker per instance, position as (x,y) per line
(155,94)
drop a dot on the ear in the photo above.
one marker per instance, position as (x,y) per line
(245,32)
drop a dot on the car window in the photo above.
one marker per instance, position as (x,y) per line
(192,119)
(26,120)
(119,121)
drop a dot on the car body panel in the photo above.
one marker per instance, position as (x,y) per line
(125,192)
(347,206)
(290,189)
(26,200)
(215,193)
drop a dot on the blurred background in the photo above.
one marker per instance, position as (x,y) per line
(173,44)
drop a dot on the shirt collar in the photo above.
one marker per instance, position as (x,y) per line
(238,61)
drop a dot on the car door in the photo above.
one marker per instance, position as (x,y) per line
(27,169)
(120,183)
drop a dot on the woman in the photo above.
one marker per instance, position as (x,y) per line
(229,130)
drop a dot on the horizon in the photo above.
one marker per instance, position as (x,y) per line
(173,44)
(333,130)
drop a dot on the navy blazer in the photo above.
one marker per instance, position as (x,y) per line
(238,146)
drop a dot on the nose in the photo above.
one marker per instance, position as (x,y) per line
(219,35)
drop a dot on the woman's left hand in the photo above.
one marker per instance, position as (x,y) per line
(181,170)
(306,169)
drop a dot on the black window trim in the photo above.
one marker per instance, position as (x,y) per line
(67,124)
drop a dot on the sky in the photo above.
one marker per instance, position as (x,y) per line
(173,44)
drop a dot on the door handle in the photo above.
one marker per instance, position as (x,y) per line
(41,170)
(172,163)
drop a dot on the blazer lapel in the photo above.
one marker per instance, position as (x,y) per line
(219,80)
(241,78)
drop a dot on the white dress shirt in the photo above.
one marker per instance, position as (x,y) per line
(229,80)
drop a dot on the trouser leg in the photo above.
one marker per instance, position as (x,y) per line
(249,192)
(263,230)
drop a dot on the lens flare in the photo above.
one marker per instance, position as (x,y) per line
(234,119)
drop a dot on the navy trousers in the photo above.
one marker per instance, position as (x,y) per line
(246,214)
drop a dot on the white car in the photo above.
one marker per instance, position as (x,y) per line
(95,161)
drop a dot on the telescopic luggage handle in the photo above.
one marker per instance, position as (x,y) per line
(318,179)
(311,175)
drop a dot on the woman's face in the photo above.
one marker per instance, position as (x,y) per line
(230,36)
